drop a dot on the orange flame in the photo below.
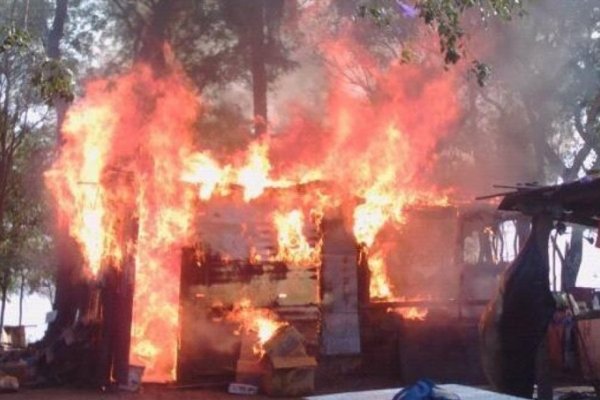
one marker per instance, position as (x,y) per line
(254,176)
(203,170)
(262,322)
(120,162)
(76,178)
(411,313)
(294,248)
(379,285)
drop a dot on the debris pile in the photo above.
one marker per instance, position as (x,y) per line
(283,368)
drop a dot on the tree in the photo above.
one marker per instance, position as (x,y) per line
(28,245)
(28,83)
(16,123)
(540,109)
(216,42)
(52,45)
(447,18)
(257,26)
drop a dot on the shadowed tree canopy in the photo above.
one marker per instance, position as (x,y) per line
(217,42)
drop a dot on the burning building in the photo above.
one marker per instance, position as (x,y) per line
(203,247)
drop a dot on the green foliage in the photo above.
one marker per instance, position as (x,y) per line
(379,14)
(215,42)
(13,38)
(446,17)
(28,83)
(53,79)
(25,245)
(50,78)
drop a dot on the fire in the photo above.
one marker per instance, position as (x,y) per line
(411,313)
(294,248)
(203,170)
(379,285)
(414,313)
(254,176)
(129,159)
(84,199)
(213,178)
(120,166)
(381,289)
(261,322)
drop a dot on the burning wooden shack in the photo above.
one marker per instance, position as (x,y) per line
(315,276)
(183,248)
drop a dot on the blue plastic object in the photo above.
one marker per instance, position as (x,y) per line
(425,389)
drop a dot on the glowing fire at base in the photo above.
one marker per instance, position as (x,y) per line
(262,322)
(412,313)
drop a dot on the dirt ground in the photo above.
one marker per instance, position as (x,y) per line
(166,393)
(146,394)
(162,392)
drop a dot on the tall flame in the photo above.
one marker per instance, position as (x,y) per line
(122,160)
(77,174)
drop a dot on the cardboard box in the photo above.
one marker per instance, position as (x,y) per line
(286,342)
(289,376)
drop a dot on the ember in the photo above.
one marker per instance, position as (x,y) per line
(413,313)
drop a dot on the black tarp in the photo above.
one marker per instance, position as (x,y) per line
(516,321)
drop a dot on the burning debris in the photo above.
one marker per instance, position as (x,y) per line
(282,366)
(255,322)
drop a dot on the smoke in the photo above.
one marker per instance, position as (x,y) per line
(519,127)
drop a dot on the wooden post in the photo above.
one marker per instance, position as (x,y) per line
(126,287)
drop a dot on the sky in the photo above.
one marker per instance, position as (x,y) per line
(35,308)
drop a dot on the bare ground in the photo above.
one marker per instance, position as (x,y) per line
(335,383)
(166,393)
(145,394)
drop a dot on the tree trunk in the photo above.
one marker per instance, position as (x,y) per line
(21,296)
(53,51)
(154,37)
(258,68)
(69,295)
(4,290)
(65,301)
